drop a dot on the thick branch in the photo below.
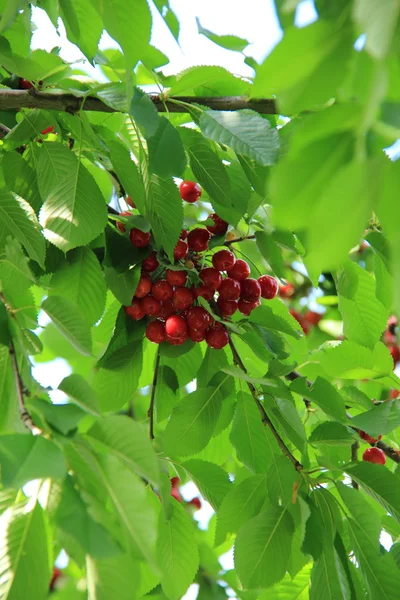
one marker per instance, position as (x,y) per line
(153,394)
(17,99)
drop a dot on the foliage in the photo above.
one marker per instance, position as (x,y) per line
(267,428)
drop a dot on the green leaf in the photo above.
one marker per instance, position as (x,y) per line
(127,173)
(271,319)
(80,280)
(144,113)
(242,502)
(166,153)
(25,552)
(207,81)
(271,252)
(244,131)
(378,23)
(254,443)
(212,481)
(70,321)
(83,25)
(21,179)
(114,578)
(348,360)
(367,519)
(263,541)
(122,285)
(24,458)
(10,12)
(18,220)
(281,479)
(62,417)
(332,434)
(380,420)
(73,211)
(79,391)
(165,213)
(290,589)
(328,578)
(230,42)
(192,422)
(177,552)
(324,394)
(379,483)
(127,440)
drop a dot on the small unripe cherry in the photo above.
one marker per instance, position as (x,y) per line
(151,306)
(190,191)
(143,288)
(231,235)
(247,307)
(176,277)
(189,264)
(197,336)
(150,263)
(183,298)
(227,307)
(155,332)
(211,277)
(135,311)
(374,455)
(223,260)
(286,291)
(198,318)
(229,289)
(139,238)
(129,201)
(368,438)
(175,326)
(181,249)
(162,290)
(204,291)
(220,226)
(217,338)
(269,286)
(250,290)
(240,270)
(198,239)
(121,226)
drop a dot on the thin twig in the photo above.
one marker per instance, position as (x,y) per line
(264,417)
(21,391)
(354,458)
(240,239)
(150,412)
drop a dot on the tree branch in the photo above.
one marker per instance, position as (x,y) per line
(150,412)
(17,99)
(21,391)
(264,417)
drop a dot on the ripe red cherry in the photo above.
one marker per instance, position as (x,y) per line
(121,226)
(49,129)
(155,332)
(211,277)
(167,309)
(139,238)
(223,260)
(197,336)
(393,394)
(181,249)
(198,318)
(227,307)
(395,353)
(220,226)
(368,438)
(312,317)
(184,234)
(129,201)
(150,263)
(143,288)
(217,337)
(196,502)
(135,311)
(205,291)
(190,191)
(183,298)
(175,489)
(374,455)
(247,307)
(24,84)
(269,286)
(177,341)
(299,318)
(151,306)
(286,291)
(198,239)
(162,290)
(250,290)
(240,270)
(176,277)
(176,327)
(229,289)
(55,575)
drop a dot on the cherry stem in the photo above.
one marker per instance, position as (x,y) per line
(153,394)
(240,239)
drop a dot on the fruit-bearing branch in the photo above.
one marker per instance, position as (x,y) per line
(17,99)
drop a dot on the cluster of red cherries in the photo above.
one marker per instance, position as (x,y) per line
(169,294)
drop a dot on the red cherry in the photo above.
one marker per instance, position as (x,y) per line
(312,317)
(299,318)
(240,270)
(190,191)
(143,288)
(394,394)
(181,249)
(211,277)
(162,290)
(150,263)
(121,226)
(176,277)
(175,481)
(229,289)
(392,324)
(227,307)
(223,260)
(286,291)
(135,311)
(217,337)
(269,286)
(198,239)
(368,438)
(177,341)
(184,234)
(204,291)
(374,455)
(220,226)
(183,298)
(247,307)
(250,290)
(151,306)
(167,309)
(49,129)
(198,318)
(129,201)
(139,238)
(197,336)
(54,576)
(175,493)
(196,502)
(155,332)
(24,84)
(395,353)
(176,327)
(388,338)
